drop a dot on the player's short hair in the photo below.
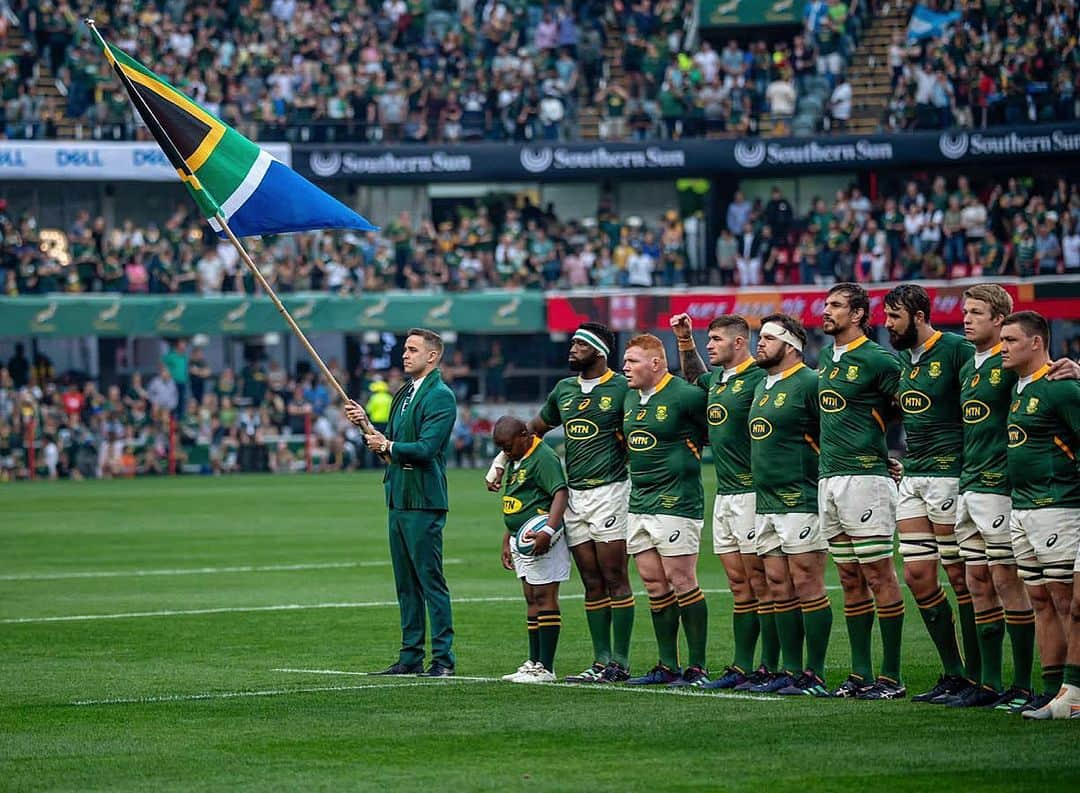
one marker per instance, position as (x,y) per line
(601,330)
(649,343)
(736,323)
(995,296)
(1032,323)
(910,297)
(432,339)
(788,323)
(857,298)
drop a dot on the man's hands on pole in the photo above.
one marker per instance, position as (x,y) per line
(373,439)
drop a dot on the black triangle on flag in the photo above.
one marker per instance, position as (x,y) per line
(185,130)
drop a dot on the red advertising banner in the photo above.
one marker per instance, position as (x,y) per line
(651,309)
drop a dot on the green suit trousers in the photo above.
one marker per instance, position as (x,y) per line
(416,550)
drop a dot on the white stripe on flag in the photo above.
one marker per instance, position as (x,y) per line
(250,184)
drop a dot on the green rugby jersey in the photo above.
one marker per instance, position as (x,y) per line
(930,401)
(595,450)
(664,438)
(985,395)
(729,434)
(784,442)
(1044,431)
(530,487)
(855,394)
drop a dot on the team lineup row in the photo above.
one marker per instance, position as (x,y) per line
(989,489)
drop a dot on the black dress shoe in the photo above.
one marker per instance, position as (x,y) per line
(438,670)
(402,669)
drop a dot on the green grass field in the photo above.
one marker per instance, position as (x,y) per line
(155,635)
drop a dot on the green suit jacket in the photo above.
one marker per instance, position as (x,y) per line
(416,475)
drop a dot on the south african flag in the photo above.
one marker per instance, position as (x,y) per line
(229,177)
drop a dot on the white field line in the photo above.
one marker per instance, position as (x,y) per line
(632,689)
(458,680)
(280,607)
(272,692)
(269,568)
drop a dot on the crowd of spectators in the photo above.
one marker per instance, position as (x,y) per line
(1000,63)
(422,70)
(936,229)
(187,418)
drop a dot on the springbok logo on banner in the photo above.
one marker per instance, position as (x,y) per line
(953,146)
(749,155)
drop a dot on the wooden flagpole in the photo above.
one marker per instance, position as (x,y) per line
(177,159)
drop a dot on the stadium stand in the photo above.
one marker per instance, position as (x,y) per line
(438,71)
(929,230)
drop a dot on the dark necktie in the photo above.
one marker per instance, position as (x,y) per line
(408,398)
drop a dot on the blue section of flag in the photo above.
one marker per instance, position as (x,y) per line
(285,201)
(926,23)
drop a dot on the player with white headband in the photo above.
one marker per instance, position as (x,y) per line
(589,406)
(784,426)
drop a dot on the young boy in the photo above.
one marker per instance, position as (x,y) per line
(534,484)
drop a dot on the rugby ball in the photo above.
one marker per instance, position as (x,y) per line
(525,547)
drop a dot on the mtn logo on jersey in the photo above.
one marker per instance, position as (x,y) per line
(717,415)
(831,402)
(640,441)
(581,429)
(1017,436)
(511,505)
(975,411)
(760,429)
(915,402)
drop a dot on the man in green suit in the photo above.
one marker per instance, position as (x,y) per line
(417,433)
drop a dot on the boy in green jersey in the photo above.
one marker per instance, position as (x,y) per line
(983,507)
(784,431)
(857,381)
(1043,432)
(730,388)
(929,402)
(589,408)
(535,485)
(664,424)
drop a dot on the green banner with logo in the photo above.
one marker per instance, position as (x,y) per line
(737,13)
(129,315)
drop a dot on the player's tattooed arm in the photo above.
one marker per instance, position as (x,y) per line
(538,426)
(689,358)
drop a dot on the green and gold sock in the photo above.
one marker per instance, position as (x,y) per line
(860,627)
(817,623)
(937,614)
(534,639)
(1021,629)
(891,624)
(789,626)
(969,635)
(665,619)
(990,625)
(770,640)
(1071,676)
(622,626)
(1052,677)
(550,624)
(694,614)
(598,616)
(745,627)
